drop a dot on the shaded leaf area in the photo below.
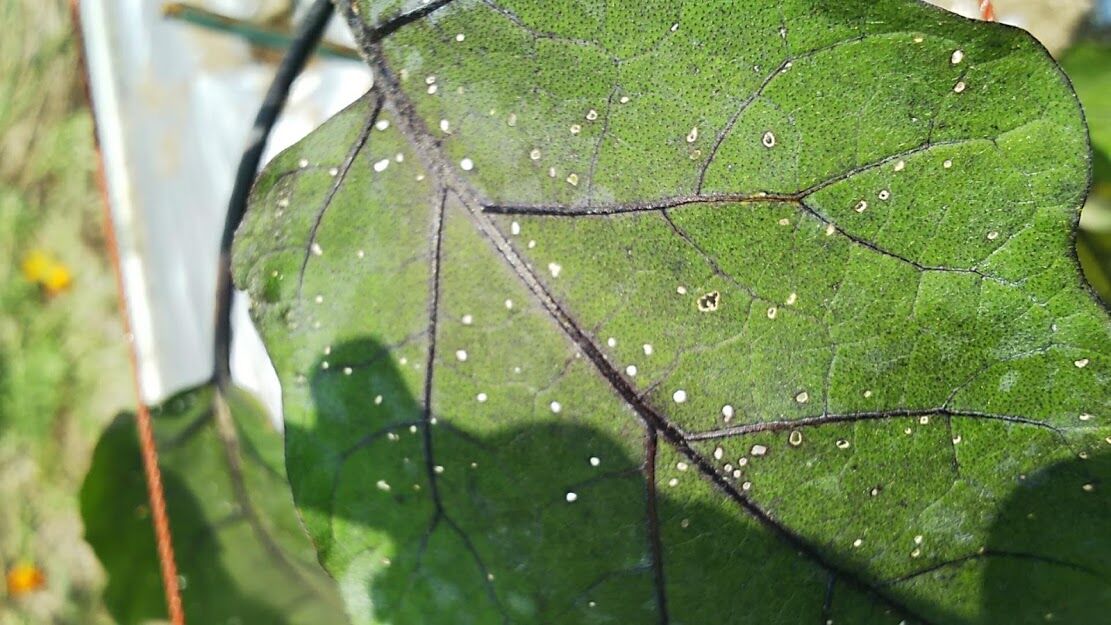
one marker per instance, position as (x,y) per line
(602,313)
(548,522)
(241,553)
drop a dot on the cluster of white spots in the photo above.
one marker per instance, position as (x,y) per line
(795,438)
(595,461)
(467,320)
(555,407)
(679,396)
(1080,364)
(861,206)
(758,450)
(380,166)
(466,164)
(571,497)
(647,349)
(947,164)
(884,195)
(692,136)
(316,249)
(772,312)
(957,57)
(554,269)
(431,82)
(727,412)
(768,139)
(461,355)
(802,397)
(631,371)
(576,129)
(843,443)
(959,87)
(481,398)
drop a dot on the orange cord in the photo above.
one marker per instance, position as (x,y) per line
(987,11)
(155,494)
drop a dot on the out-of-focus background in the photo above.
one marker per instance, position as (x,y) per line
(175,96)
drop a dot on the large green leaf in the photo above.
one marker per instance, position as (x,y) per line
(692,312)
(241,553)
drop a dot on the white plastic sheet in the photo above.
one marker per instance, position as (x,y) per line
(174,105)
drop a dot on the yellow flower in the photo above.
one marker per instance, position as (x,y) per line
(44,269)
(24,578)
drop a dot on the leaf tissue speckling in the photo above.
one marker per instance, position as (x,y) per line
(692,312)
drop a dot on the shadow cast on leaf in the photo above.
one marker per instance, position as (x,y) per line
(427,520)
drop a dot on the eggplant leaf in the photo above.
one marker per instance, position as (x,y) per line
(691,312)
(241,553)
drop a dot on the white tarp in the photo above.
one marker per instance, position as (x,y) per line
(174,105)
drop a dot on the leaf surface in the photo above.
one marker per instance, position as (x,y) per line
(688,312)
(241,553)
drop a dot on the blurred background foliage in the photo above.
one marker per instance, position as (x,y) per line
(63,366)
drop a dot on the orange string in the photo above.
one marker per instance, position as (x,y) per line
(155,493)
(987,11)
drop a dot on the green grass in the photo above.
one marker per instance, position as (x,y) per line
(63,370)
